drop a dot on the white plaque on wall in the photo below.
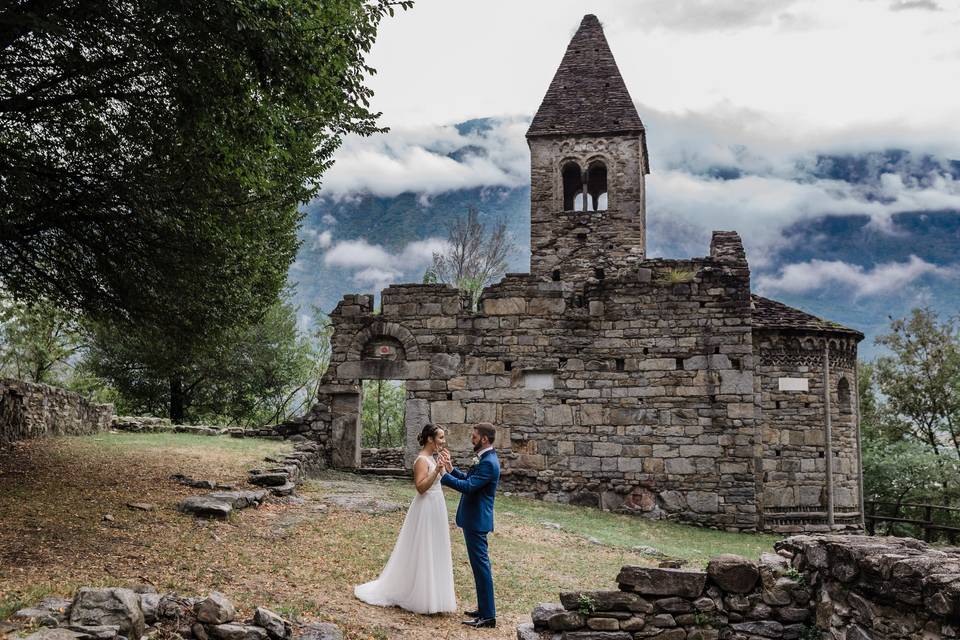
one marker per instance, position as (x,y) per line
(538,379)
(794,384)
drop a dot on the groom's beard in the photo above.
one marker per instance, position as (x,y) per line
(477,447)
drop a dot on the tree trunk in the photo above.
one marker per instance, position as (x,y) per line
(176,400)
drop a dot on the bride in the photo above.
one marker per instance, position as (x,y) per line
(418,576)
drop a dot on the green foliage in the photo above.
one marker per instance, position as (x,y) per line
(37,341)
(910,421)
(260,373)
(586,605)
(382,413)
(920,381)
(701,619)
(154,153)
(796,576)
(675,276)
(810,632)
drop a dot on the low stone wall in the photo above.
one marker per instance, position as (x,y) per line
(30,410)
(113,613)
(150,424)
(383,458)
(830,587)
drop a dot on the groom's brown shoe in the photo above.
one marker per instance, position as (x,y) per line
(481,623)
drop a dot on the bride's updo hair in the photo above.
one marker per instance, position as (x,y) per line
(429,431)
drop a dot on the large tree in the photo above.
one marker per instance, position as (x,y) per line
(153,152)
(920,380)
(910,413)
(259,373)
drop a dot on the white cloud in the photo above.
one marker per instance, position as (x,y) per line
(357,253)
(903,5)
(704,15)
(882,278)
(328,219)
(374,266)
(376,278)
(762,207)
(314,239)
(419,160)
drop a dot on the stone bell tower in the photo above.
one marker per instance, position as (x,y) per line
(588,159)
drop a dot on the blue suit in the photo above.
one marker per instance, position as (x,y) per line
(475,517)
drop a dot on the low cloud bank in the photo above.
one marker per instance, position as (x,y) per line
(881,279)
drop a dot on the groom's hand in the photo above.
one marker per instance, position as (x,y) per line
(445,459)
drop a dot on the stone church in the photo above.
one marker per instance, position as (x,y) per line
(662,387)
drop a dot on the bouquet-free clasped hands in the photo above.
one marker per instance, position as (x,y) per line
(443,457)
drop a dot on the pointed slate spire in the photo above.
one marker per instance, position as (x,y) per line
(587,94)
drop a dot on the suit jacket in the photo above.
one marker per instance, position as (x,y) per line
(478,486)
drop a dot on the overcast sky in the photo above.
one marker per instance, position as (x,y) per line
(813,67)
(760,86)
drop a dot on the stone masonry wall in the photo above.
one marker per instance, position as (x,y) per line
(382,458)
(829,587)
(794,496)
(30,410)
(634,392)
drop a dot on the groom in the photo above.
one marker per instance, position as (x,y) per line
(475,516)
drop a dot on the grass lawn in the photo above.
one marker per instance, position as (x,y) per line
(300,560)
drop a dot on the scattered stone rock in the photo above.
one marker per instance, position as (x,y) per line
(58,633)
(551,525)
(199,632)
(215,609)
(107,517)
(318,631)
(205,506)
(733,573)
(277,627)
(149,603)
(190,482)
(102,632)
(49,612)
(240,499)
(565,620)
(527,631)
(141,506)
(233,631)
(285,489)
(606,601)
(111,606)
(543,611)
(268,479)
(173,607)
(665,582)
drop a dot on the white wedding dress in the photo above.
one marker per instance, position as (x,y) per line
(418,576)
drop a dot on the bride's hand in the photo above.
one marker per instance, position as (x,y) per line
(445,460)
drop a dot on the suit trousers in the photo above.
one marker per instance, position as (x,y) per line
(482,575)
